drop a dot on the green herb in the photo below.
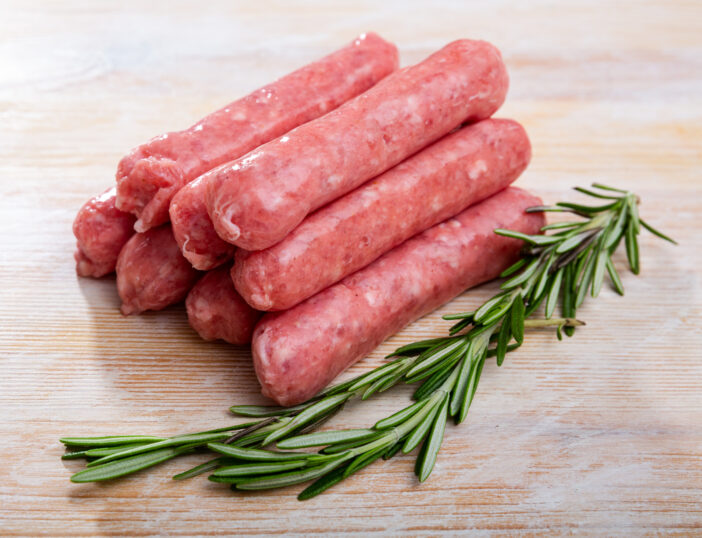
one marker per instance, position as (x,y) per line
(565,265)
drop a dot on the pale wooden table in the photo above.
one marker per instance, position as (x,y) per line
(600,434)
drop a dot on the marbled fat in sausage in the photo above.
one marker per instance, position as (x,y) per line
(152,273)
(258,199)
(217,311)
(297,352)
(437,183)
(149,176)
(193,229)
(101,231)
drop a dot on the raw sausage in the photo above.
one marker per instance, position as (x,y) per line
(193,229)
(149,176)
(217,311)
(437,183)
(299,351)
(101,231)
(152,273)
(255,201)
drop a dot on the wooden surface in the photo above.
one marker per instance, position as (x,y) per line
(599,434)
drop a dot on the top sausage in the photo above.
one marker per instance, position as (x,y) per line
(149,176)
(258,199)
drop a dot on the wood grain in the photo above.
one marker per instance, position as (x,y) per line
(600,434)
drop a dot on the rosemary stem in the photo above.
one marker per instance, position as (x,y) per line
(553,322)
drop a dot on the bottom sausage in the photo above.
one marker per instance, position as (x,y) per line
(217,311)
(101,231)
(297,352)
(152,273)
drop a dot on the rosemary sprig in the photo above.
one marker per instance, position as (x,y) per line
(564,266)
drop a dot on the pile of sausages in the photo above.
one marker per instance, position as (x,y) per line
(322,213)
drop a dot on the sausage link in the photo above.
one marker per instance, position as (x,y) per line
(297,352)
(149,176)
(217,311)
(193,229)
(437,183)
(101,231)
(152,273)
(255,201)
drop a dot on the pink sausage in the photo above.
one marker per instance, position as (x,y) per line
(437,183)
(152,273)
(149,176)
(258,199)
(297,352)
(193,229)
(192,226)
(217,311)
(101,231)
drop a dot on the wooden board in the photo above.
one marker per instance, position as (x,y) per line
(600,434)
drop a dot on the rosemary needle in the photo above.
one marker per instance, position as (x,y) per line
(564,267)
